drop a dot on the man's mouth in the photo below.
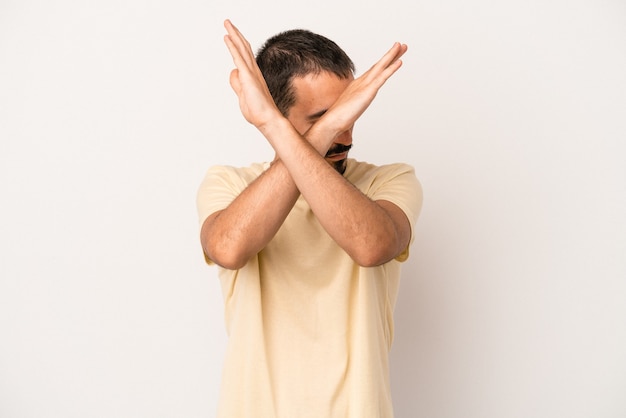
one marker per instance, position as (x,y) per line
(337,157)
(338,152)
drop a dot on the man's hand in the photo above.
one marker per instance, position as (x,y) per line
(258,107)
(255,100)
(361,92)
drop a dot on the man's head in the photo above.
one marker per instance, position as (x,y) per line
(297,53)
(305,73)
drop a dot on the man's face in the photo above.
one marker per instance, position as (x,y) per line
(315,94)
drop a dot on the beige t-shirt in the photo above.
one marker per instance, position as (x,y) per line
(309,329)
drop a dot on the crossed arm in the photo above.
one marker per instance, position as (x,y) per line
(371,232)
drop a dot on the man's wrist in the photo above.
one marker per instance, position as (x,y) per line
(274,127)
(321,136)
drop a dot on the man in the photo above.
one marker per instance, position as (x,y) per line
(309,245)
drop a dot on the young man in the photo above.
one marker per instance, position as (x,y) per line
(308,246)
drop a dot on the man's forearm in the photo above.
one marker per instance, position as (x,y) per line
(363,228)
(232,236)
(360,226)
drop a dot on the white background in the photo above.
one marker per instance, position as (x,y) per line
(513,113)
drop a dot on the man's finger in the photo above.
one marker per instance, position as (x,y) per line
(387,65)
(239,42)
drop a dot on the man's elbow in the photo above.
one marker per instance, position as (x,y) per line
(225,256)
(375,255)
(379,249)
(220,248)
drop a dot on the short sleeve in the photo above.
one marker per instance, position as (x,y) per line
(220,186)
(398,184)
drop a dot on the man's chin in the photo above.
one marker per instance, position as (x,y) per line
(340,165)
